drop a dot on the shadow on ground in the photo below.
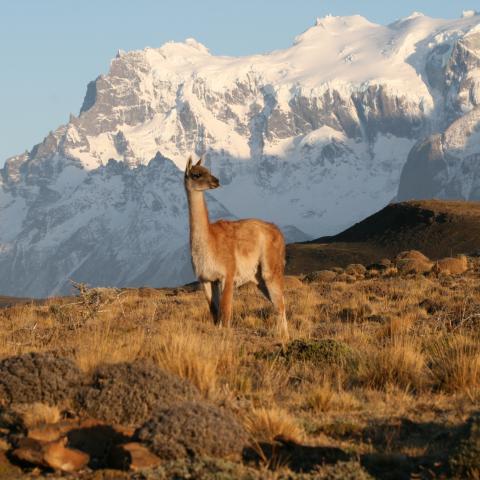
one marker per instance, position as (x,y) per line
(443,451)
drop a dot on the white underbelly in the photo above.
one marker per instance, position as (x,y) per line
(206,269)
(246,272)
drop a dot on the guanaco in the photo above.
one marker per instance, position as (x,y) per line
(231,253)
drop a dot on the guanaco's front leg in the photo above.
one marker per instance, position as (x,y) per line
(226,301)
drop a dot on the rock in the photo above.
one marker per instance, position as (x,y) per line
(451,266)
(38,377)
(50,454)
(57,456)
(320,276)
(133,456)
(46,444)
(29,451)
(355,269)
(52,432)
(129,393)
(193,429)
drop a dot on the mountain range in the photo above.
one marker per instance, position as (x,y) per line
(314,137)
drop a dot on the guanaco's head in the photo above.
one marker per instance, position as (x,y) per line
(198,177)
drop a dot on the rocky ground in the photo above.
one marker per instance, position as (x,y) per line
(380,379)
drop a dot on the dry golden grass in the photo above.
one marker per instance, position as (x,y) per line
(34,414)
(400,362)
(107,346)
(195,357)
(454,266)
(325,398)
(416,340)
(455,364)
(267,424)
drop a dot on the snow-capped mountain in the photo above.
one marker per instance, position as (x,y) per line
(446,164)
(313,137)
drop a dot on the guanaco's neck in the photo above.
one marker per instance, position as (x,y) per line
(198,217)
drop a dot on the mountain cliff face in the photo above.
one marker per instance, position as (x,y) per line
(313,137)
(446,163)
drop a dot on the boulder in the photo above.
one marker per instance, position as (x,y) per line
(54,455)
(133,456)
(320,276)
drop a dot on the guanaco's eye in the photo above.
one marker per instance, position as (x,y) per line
(196,175)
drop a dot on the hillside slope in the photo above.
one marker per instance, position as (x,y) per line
(437,228)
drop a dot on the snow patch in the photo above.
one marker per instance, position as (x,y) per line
(191,42)
(469,13)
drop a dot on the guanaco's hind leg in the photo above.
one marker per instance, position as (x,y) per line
(216,295)
(275,294)
(270,283)
(212,293)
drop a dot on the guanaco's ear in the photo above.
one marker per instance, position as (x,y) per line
(200,160)
(189,164)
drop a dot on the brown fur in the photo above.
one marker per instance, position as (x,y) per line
(231,253)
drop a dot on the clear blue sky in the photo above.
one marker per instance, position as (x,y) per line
(51,49)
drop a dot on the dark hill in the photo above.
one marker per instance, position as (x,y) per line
(435,227)
(10,301)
